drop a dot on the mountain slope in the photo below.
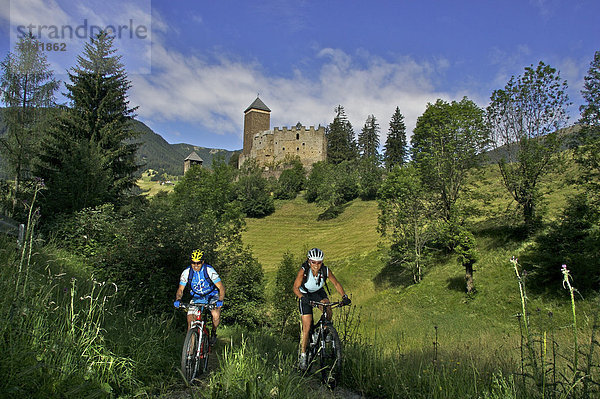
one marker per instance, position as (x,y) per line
(156,153)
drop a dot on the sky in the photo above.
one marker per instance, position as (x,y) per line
(196,65)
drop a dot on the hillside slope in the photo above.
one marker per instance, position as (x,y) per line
(294,228)
(404,313)
(156,153)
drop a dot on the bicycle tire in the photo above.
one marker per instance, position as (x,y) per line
(189,361)
(204,351)
(331,358)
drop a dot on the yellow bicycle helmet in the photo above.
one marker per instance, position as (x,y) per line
(197,255)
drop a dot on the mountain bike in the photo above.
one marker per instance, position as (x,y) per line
(196,348)
(325,347)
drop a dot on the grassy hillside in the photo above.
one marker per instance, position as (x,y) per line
(406,314)
(294,228)
(152,187)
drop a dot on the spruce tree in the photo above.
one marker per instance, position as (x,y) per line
(368,139)
(89,156)
(341,145)
(395,149)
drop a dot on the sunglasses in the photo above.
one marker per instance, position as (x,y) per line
(196,263)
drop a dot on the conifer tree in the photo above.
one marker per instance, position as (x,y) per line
(27,88)
(89,157)
(341,145)
(395,149)
(368,139)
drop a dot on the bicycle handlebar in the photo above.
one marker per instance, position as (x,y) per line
(333,305)
(186,306)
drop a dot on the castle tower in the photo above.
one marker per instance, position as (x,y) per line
(257,118)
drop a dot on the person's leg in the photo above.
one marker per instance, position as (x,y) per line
(306,324)
(216,318)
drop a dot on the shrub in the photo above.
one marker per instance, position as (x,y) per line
(574,240)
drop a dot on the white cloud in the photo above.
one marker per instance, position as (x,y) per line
(67,26)
(214,94)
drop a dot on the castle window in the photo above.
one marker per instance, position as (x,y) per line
(303,143)
(297,148)
(283,148)
(297,136)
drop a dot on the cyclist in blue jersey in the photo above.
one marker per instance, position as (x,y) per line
(205,286)
(309,286)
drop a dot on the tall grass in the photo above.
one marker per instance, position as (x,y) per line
(63,336)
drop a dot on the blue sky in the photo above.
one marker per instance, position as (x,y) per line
(196,65)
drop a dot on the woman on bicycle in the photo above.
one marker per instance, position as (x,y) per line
(206,288)
(309,286)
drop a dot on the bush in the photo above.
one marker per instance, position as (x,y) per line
(370,177)
(244,288)
(253,192)
(291,182)
(573,240)
(283,299)
(332,185)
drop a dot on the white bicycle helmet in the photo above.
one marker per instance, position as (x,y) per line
(315,254)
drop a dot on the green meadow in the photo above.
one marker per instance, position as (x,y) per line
(434,322)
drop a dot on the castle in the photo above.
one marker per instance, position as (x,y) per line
(270,147)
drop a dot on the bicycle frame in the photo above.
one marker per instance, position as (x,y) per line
(197,337)
(323,321)
(328,351)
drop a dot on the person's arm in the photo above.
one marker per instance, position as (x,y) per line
(221,288)
(336,283)
(298,283)
(179,293)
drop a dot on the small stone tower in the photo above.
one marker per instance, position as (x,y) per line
(192,159)
(257,118)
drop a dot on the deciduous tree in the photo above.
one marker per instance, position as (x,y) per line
(408,216)
(525,118)
(448,141)
(588,150)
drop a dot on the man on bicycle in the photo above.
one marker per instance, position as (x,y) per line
(309,286)
(206,288)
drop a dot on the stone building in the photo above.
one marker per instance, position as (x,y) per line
(270,147)
(192,159)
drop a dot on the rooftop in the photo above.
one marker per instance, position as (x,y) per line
(259,105)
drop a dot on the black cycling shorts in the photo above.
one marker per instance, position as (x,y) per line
(316,296)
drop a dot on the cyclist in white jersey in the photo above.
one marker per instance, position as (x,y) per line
(312,289)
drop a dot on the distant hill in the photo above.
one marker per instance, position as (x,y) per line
(155,153)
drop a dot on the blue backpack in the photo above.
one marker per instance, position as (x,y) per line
(212,285)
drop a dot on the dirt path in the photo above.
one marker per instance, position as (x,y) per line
(194,391)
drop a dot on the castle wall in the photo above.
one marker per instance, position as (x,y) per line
(271,147)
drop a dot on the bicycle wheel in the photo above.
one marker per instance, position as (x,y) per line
(189,361)
(204,351)
(331,358)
